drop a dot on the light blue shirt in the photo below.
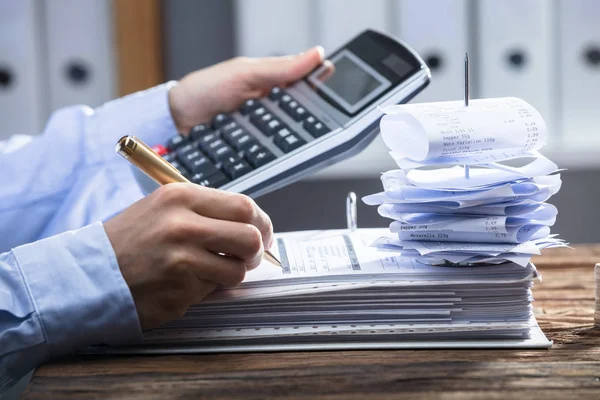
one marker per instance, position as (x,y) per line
(60,285)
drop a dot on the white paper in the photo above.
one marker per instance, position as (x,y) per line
(454,177)
(529,248)
(488,130)
(523,234)
(400,212)
(504,192)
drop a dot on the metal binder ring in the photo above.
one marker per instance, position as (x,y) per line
(351,211)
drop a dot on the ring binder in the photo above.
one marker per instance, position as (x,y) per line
(467,97)
(351,213)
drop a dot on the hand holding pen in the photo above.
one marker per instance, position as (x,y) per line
(170,245)
(153,165)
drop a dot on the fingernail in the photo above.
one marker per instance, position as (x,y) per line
(321,51)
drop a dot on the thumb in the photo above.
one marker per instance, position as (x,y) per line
(268,72)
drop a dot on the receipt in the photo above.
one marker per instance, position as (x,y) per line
(521,235)
(490,213)
(403,212)
(454,177)
(489,130)
(430,222)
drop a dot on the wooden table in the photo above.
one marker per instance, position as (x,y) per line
(564,305)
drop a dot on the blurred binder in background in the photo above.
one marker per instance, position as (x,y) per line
(579,41)
(340,20)
(515,53)
(438,30)
(22,105)
(79,44)
(273,27)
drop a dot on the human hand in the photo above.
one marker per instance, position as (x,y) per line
(223,87)
(170,246)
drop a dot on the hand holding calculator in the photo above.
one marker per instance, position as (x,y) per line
(324,118)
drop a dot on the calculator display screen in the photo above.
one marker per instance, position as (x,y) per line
(349,81)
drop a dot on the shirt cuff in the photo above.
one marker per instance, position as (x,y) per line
(78,290)
(144,114)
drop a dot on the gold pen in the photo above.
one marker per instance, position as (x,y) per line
(139,154)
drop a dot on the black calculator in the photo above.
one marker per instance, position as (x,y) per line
(322,119)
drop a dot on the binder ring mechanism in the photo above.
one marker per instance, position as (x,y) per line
(351,211)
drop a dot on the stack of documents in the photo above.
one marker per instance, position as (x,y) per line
(338,291)
(471,187)
(453,272)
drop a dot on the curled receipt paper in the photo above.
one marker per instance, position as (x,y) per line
(489,130)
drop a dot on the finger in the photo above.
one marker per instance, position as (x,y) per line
(202,288)
(328,70)
(265,226)
(227,206)
(269,72)
(222,270)
(236,239)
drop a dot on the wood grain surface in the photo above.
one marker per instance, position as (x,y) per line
(564,306)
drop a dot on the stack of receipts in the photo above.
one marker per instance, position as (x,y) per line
(471,186)
(452,271)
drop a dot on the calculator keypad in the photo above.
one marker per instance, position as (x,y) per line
(224,150)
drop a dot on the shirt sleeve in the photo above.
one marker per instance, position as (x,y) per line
(71,176)
(58,295)
(64,289)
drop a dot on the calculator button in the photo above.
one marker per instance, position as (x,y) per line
(235,170)
(185,150)
(315,127)
(219,150)
(289,107)
(311,120)
(179,167)
(232,159)
(260,121)
(231,136)
(176,141)
(295,110)
(280,135)
(260,157)
(300,113)
(202,165)
(206,140)
(220,120)
(222,152)
(198,131)
(255,148)
(199,164)
(290,143)
(243,142)
(203,175)
(231,126)
(215,180)
(187,158)
(248,106)
(258,112)
(267,123)
(272,126)
(276,93)
(169,157)
(284,99)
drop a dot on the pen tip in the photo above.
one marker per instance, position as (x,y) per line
(273,259)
